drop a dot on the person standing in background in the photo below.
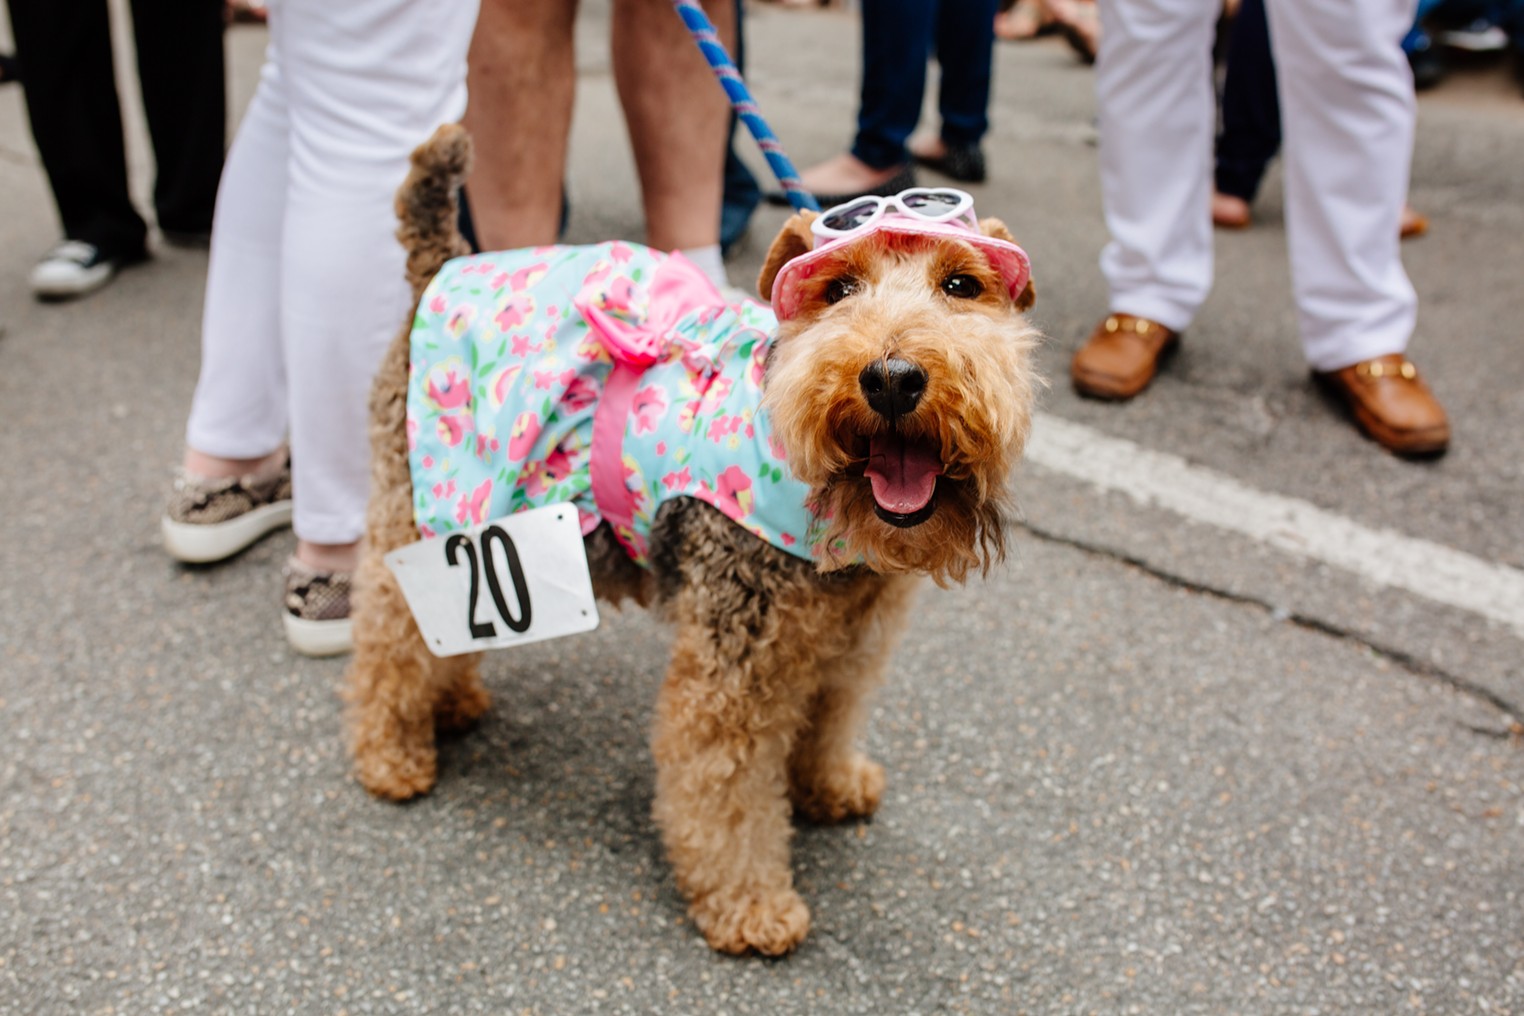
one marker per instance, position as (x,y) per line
(1348,110)
(523,72)
(306,288)
(899,36)
(76,120)
(1251,124)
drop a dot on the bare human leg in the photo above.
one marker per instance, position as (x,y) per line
(677,117)
(522,80)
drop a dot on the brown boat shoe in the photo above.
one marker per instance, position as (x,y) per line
(1121,356)
(1392,405)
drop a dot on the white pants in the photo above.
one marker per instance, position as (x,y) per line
(1347,111)
(305,287)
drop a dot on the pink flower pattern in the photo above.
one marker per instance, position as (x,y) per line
(452,429)
(649,407)
(447,387)
(472,507)
(723,426)
(678,480)
(553,380)
(526,429)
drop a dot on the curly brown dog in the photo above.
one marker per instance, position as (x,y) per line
(897,341)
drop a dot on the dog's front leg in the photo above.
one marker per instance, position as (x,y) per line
(399,694)
(726,722)
(830,779)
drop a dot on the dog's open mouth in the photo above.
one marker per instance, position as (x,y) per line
(904,478)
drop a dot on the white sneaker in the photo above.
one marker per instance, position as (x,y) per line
(73,268)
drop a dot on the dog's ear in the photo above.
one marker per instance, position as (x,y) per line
(995,228)
(793,240)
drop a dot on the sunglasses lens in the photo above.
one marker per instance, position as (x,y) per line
(933,203)
(848,217)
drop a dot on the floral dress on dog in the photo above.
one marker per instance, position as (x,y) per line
(612,376)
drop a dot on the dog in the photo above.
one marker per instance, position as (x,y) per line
(899,389)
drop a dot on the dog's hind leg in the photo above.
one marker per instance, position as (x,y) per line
(398,692)
(830,779)
(463,699)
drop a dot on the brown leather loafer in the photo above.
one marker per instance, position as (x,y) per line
(1121,357)
(1392,405)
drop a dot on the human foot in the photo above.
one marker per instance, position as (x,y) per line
(215,467)
(846,176)
(1023,21)
(218,507)
(1080,23)
(1230,211)
(1412,224)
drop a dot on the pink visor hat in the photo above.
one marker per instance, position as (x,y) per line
(1009,260)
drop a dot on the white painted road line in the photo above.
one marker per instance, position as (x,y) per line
(1383,556)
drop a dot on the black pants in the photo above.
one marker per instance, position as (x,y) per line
(1251,109)
(65,51)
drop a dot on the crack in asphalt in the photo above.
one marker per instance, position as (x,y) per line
(1512,715)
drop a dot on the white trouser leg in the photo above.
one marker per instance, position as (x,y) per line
(239,409)
(364,85)
(369,83)
(1154,92)
(1347,110)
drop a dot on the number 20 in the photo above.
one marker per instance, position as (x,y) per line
(487,563)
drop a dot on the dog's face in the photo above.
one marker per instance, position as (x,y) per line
(902,393)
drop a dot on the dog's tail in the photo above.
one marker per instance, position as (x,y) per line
(428,205)
(428,229)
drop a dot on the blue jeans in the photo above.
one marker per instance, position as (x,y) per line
(1506,14)
(898,38)
(1417,38)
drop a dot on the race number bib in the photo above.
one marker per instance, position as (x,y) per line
(518,579)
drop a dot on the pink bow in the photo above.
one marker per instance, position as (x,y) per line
(634,322)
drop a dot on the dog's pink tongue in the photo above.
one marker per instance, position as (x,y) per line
(903,475)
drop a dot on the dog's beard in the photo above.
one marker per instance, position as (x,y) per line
(895,498)
(963,531)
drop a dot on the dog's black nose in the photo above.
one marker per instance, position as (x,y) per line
(892,386)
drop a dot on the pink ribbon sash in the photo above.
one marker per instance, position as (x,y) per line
(634,323)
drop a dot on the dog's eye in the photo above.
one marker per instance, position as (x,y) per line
(964,287)
(839,288)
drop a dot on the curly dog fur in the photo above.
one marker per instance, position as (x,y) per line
(774,656)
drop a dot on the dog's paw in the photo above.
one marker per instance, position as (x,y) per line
(458,711)
(394,774)
(770,923)
(849,790)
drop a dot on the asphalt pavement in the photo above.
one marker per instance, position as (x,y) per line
(1153,764)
